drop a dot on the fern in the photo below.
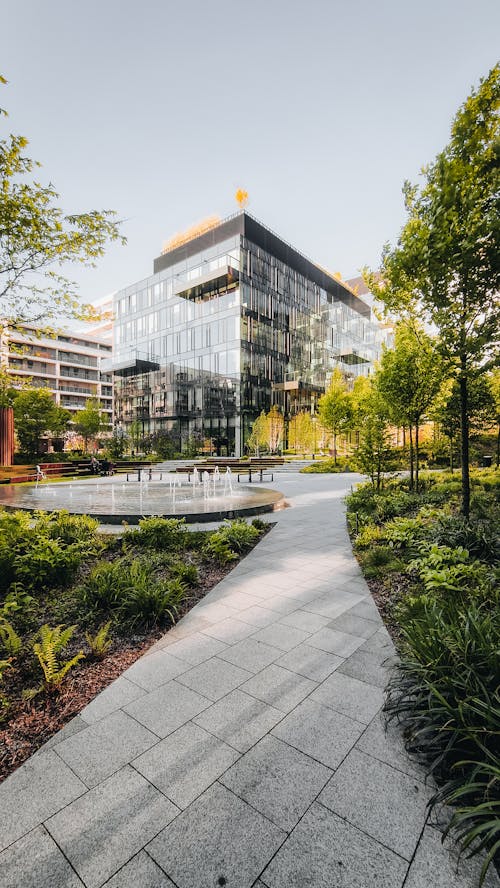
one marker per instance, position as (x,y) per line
(101,642)
(9,637)
(53,640)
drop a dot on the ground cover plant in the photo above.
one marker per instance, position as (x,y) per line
(77,607)
(434,575)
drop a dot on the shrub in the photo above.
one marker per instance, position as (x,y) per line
(46,564)
(148,601)
(380,560)
(70,528)
(368,536)
(479,537)
(219,549)
(239,535)
(159,533)
(326,466)
(104,587)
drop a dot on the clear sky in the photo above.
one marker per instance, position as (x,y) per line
(320,109)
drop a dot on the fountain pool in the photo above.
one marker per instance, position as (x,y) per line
(113,500)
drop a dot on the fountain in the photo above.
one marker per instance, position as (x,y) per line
(209,497)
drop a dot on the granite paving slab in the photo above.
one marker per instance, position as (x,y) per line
(103,829)
(41,787)
(325,851)
(166,709)
(383,802)
(35,861)
(140,872)
(251,654)
(186,763)
(277,780)
(436,864)
(102,748)
(116,695)
(354,698)
(219,837)
(279,687)
(215,678)
(239,719)
(313,663)
(320,732)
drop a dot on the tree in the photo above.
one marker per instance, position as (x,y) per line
(481,409)
(37,238)
(409,379)
(301,432)
(90,421)
(275,429)
(258,435)
(446,259)
(334,408)
(371,420)
(36,414)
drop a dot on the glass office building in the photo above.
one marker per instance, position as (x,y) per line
(232,321)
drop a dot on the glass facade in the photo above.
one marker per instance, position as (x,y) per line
(229,324)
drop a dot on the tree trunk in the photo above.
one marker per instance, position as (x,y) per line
(451,454)
(464,426)
(410,437)
(498,446)
(335,448)
(416,456)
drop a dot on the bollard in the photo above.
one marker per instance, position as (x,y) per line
(127,476)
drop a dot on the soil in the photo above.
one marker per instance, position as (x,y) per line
(30,724)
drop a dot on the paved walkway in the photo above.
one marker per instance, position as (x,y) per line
(246,749)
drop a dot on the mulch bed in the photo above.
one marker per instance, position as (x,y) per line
(31,723)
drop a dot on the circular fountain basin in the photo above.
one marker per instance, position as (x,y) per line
(112,500)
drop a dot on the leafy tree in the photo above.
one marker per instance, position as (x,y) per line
(371,420)
(90,421)
(275,429)
(165,445)
(258,436)
(409,379)
(7,391)
(446,259)
(117,444)
(301,432)
(335,409)
(36,414)
(481,409)
(37,238)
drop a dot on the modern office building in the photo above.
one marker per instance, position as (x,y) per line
(232,321)
(69,365)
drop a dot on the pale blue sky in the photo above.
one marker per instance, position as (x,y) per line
(318,108)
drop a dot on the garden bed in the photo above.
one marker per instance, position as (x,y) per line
(434,577)
(120,595)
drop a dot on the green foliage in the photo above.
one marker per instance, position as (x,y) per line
(479,537)
(35,414)
(446,696)
(335,408)
(91,420)
(9,638)
(100,642)
(369,535)
(379,561)
(131,592)
(148,601)
(159,533)
(445,265)
(259,524)
(326,466)
(38,239)
(46,564)
(51,643)
(219,549)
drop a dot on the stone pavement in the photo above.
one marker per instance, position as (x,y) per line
(246,748)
